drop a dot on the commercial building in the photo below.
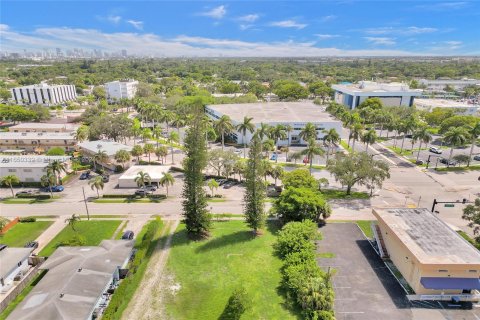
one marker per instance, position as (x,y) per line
(44,94)
(13,266)
(434,259)
(391,94)
(43,127)
(78,283)
(294,114)
(441,84)
(460,107)
(90,148)
(28,168)
(127,180)
(124,89)
(34,141)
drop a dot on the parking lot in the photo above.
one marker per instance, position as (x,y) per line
(364,287)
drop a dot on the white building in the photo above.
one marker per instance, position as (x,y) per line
(391,94)
(14,264)
(43,127)
(457,85)
(459,107)
(28,168)
(127,180)
(294,114)
(124,89)
(33,141)
(90,148)
(44,94)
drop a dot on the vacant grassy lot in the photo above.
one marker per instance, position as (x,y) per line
(24,232)
(94,232)
(208,271)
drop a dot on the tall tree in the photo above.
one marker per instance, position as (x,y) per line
(223,126)
(254,188)
(9,181)
(455,137)
(99,157)
(173,138)
(161,152)
(57,167)
(263,131)
(423,136)
(137,151)
(278,133)
(96,183)
(355,133)
(246,125)
(330,138)
(308,132)
(167,180)
(48,180)
(148,149)
(122,156)
(142,179)
(474,132)
(197,218)
(369,137)
(312,150)
(288,130)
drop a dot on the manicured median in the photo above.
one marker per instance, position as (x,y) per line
(208,272)
(23,232)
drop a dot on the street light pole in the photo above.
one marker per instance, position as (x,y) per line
(85,201)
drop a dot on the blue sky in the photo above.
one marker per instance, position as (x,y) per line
(245,28)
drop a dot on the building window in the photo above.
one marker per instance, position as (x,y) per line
(12,170)
(27,170)
(441,270)
(473,271)
(19,264)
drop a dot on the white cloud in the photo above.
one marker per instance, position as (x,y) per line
(400,30)
(326,36)
(380,40)
(249,18)
(114,19)
(151,44)
(215,13)
(443,6)
(288,24)
(136,24)
(328,18)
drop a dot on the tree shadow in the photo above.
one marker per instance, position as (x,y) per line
(226,240)
(288,302)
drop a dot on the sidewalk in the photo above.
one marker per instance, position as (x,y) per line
(49,234)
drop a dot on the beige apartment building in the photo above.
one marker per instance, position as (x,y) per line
(34,141)
(432,257)
(43,127)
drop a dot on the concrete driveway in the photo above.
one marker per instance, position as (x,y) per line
(364,287)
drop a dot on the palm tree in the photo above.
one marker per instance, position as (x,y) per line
(82,133)
(167,180)
(142,179)
(474,133)
(137,151)
(278,133)
(369,137)
(179,122)
(157,134)
(97,183)
(423,136)
(223,126)
(57,167)
(288,130)
(49,180)
(406,127)
(243,127)
(455,136)
(173,137)
(99,157)
(263,131)
(308,132)
(167,117)
(267,146)
(331,137)
(313,149)
(122,156)
(146,134)
(72,221)
(162,152)
(355,133)
(276,173)
(212,184)
(285,150)
(148,149)
(9,181)
(136,130)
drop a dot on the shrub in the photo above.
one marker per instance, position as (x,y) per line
(75,241)
(237,304)
(34,196)
(27,219)
(56,151)
(157,196)
(118,196)
(296,237)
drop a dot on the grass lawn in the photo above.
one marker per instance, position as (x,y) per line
(331,194)
(24,232)
(94,232)
(345,146)
(216,200)
(467,237)
(405,151)
(474,167)
(326,255)
(364,225)
(215,267)
(25,200)
(102,216)
(298,165)
(127,200)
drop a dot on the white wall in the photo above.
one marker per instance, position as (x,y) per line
(8,280)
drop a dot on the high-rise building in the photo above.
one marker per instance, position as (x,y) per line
(44,94)
(124,53)
(124,89)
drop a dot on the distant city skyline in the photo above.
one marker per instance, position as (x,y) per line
(239,29)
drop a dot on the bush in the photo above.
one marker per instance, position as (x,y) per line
(119,168)
(56,151)
(156,196)
(27,219)
(237,304)
(118,196)
(296,237)
(151,163)
(34,196)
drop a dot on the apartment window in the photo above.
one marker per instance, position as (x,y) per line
(27,170)
(19,264)
(473,271)
(12,170)
(442,270)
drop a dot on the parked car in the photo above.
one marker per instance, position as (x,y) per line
(128,235)
(229,184)
(85,175)
(142,192)
(31,244)
(237,151)
(53,189)
(409,136)
(151,188)
(477,157)
(3,246)
(445,161)
(274,157)
(435,150)
(221,181)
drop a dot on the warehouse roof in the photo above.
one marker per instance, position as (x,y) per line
(274,112)
(110,147)
(427,237)
(75,281)
(376,87)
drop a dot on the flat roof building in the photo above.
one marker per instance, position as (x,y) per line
(14,262)
(28,168)
(77,282)
(461,107)
(431,256)
(124,89)
(44,94)
(32,141)
(43,127)
(295,114)
(127,180)
(391,94)
(441,84)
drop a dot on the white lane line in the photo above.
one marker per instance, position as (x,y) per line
(350,312)
(385,202)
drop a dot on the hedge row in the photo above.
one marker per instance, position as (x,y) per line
(34,196)
(131,196)
(145,245)
(27,219)
(305,282)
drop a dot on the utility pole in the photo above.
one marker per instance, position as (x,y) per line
(85,201)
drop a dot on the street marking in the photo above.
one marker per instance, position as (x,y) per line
(351,312)
(385,202)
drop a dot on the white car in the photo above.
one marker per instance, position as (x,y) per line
(435,150)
